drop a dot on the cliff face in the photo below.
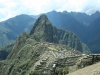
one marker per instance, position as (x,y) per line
(68,38)
(42,29)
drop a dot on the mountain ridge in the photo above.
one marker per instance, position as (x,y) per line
(45,31)
(13,27)
(84,32)
(7,36)
(68,22)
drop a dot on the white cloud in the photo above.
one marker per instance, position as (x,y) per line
(91,6)
(10,8)
(72,5)
(7,9)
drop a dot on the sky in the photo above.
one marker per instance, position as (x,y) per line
(11,8)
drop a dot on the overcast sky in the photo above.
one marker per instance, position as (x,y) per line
(11,8)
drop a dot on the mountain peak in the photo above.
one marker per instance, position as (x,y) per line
(42,29)
(41,22)
(43,16)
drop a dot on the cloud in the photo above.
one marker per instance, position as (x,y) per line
(10,8)
(6,9)
(91,6)
(72,5)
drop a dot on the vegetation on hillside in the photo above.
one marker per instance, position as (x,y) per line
(45,54)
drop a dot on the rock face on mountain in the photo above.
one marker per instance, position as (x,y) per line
(42,51)
(42,29)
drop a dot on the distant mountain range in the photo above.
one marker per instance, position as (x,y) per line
(13,27)
(93,36)
(86,27)
(67,22)
(83,18)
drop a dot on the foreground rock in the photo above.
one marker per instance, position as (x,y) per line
(90,70)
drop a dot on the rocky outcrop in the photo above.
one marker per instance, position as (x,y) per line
(90,70)
(87,60)
(42,29)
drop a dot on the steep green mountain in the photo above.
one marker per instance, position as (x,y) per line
(94,36)
(44,51)
(86,27)
(13,27)
(67,22)
(73,21)
(44,31)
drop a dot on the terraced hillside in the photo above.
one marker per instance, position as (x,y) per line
(46,50)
